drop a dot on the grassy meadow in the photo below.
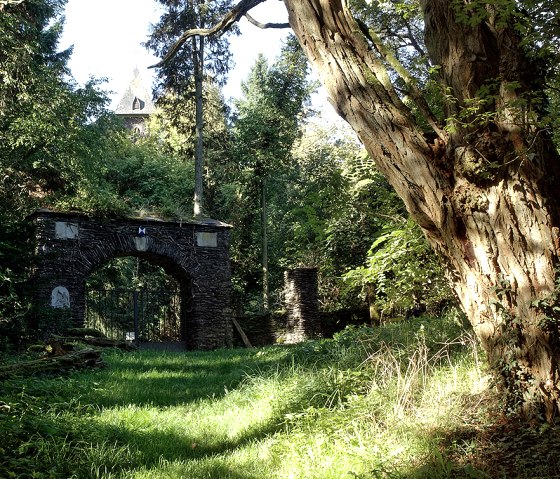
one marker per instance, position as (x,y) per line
(407,400)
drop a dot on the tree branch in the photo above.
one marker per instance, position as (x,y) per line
(3,3)
(413,41)
(409,81)
(265,25)
(226,22)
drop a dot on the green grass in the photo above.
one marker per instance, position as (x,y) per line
(402,401)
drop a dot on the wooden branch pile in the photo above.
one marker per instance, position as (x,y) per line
(82,359)
(62,357)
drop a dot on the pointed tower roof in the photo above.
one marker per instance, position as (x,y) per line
(136,100)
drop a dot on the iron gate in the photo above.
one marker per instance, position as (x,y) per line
(142,316)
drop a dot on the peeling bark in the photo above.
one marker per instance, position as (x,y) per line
(485,200)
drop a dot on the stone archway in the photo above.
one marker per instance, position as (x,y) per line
(196,253)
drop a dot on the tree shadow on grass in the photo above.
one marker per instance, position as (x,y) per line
(175,379)
(64,439)
(74,446)
(198,452)
(182,447)
(495,448)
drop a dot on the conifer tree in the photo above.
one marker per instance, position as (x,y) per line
(266,126)
(181,80)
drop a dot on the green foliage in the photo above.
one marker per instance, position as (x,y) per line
(46,133)
(48,143)
(179,16)
(268,117)
(265,126)
(13,310)
(550,307)
(147,179)
(399,24)
(368,401)
(130,273)
(47,138)
(336,200)
(403,270)
(476,12)
(173,124)
(535,101)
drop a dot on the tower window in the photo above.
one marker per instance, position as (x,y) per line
(137,104)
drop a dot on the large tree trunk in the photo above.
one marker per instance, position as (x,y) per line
(484,195)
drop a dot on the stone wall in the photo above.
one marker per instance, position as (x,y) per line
(71,246)
(302,304)
(272,328)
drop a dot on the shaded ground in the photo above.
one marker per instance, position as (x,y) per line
(500,447)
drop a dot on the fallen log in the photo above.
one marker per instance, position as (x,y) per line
(82,359)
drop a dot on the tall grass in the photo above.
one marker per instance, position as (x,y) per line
(370,403)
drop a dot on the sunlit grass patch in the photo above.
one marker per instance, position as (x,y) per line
(371,403)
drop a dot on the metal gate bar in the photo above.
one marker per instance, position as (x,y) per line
(135,315)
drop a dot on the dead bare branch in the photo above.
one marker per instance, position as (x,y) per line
(3,3)
(225,23)
(265,25)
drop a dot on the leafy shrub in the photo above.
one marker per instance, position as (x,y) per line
(404,272)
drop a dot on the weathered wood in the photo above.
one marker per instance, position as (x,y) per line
(242,333)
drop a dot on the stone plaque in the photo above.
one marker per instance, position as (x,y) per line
(206,240)
(65,230)
(60,297)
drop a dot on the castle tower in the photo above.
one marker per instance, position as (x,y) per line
(136,105)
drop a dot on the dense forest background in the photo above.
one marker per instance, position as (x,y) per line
(297,190)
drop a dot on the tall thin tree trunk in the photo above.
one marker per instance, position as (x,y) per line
(264,246)
(484,196)
(198,54)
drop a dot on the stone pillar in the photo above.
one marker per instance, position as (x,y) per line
(58,292)
(302,304)
(210,322)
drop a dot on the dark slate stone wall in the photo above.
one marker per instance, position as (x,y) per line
(272,328)
(302,304)
(261,329)
(71,246)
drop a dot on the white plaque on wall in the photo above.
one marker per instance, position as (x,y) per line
(60,297)
(206,240)
(65,230)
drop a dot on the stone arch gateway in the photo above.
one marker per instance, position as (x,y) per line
(71,246)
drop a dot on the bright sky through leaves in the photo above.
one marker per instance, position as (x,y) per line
(107,37)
